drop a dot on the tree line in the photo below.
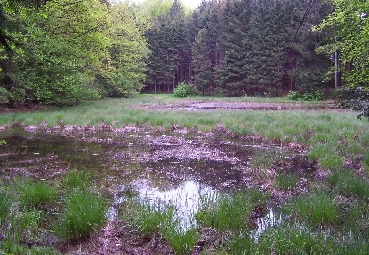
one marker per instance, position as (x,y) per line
(65,51)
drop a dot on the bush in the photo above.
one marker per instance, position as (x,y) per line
(184,90)
(357,99)
(309,96)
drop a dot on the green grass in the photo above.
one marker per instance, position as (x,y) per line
(333,220)
(84,215)
(346,183)
(182,242)
(34,194)
(5,203)
(76,180)
(366,162)
(287,182)
(294,238)
(317,209)
(230,212)
(150,219)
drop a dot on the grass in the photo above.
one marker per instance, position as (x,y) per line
(5,203)
(76,214)
(316,208)
(331,220)
(150,219)
(230,212)
(287,182)
(85,214)
(76,179)
(347,184)
(34,194)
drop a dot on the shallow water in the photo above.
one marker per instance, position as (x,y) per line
(163,168)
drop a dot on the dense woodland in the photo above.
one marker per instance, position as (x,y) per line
(65,51)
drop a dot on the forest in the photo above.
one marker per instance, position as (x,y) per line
(67,51)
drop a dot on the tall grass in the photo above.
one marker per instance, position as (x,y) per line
(294,238)
(34,194)
(85,214)
(317,208)
(287,182)
(5,203)
(77,179)
(230,212)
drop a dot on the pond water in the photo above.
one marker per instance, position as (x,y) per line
(163,168)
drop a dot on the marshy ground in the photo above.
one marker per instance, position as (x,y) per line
(218,154)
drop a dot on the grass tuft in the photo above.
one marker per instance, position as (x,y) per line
(85,214)
(230,212)
(316,208)
(287,182)
(34,194)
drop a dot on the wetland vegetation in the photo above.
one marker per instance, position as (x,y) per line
(157,174)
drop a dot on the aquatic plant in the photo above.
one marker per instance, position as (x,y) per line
(77,180)
(84,214)
(317,208)
(286,181)
(5,203)
(294,238)
(230,212)
(181,241)
(34,194)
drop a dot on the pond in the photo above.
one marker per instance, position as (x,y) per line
(166,168)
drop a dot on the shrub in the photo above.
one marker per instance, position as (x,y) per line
(316,95)
(84,214)
(357,99)
(184,90)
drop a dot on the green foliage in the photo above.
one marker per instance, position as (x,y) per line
(349,22)
(5,203)
(357,99)
(182,242)
(184,90)
(85,214)
(287,182)
(316,208)
(79,180)
(230,212)
(35,194)
(316,95)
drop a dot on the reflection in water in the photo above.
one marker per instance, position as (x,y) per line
(273,218)
(185,198)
